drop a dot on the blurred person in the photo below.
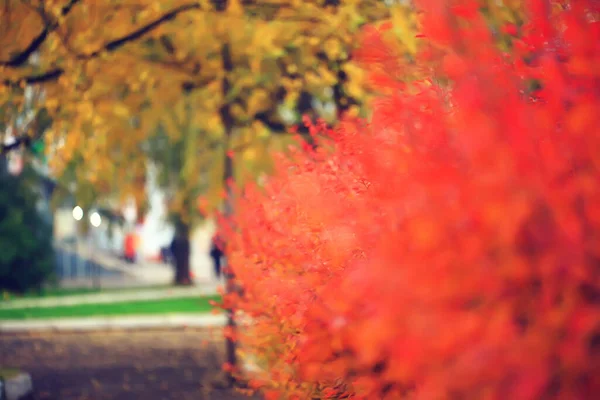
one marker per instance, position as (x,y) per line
(216,254)
(165,254)
(130,247)
(180,253)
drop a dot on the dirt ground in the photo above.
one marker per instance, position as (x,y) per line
(163,365)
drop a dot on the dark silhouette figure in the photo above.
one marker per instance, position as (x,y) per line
(180,251)
(216,254)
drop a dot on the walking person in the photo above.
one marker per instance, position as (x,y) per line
(130,247)
(216,254)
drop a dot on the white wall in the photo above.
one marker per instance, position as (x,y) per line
(64,224)
(200,260)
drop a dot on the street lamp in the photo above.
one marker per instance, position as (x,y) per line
(75,265)
(95,219)
(77,213)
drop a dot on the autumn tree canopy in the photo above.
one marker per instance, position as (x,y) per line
(449,247)
(187,85)
(224,74)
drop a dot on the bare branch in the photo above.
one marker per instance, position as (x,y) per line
(108,47)
(21,58)
(23,140)
(139,33)
(47,76)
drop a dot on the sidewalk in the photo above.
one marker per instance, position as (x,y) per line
(142,273)
(114,323)
(114,296)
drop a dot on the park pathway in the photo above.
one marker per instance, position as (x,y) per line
(78,267)
(177,364)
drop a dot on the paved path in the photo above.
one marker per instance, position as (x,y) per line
(113,296)
(154,365)
(114,271)
(130,322)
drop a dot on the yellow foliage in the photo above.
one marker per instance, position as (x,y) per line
(258,101)
(121,110)
(333,48)
(405,28)
(356,81)
(235,8)
(214,123)
(114,71)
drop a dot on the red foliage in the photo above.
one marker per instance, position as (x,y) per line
(450,248)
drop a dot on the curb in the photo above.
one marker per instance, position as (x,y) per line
(114,323)
(18,387)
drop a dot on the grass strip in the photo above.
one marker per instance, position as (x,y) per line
(139,307)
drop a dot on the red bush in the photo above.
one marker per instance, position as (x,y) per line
(451,248)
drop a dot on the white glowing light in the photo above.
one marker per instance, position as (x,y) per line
(95,219)
(77,213)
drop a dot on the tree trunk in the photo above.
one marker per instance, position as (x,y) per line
(181,254)
(230,345)
(228,177)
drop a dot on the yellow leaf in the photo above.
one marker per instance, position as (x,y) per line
(121,110)
(255,65)
(214,123)
(51,103)
(260,130)
(238,111)
(355,90)
(332,48)
(234,7)
(249,154)
(353,111)
(85,109)
(328,76)
(258,101)
(292,68)
(403,29)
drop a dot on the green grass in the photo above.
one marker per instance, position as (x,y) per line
(150,307)
(62,292)
(7,373)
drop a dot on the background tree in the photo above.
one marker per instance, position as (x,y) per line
(113,74)
(26,255)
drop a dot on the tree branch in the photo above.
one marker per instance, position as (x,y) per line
(269,123)
(21,58)
(108,47)
(139,33)
(47,76)
(23,140)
